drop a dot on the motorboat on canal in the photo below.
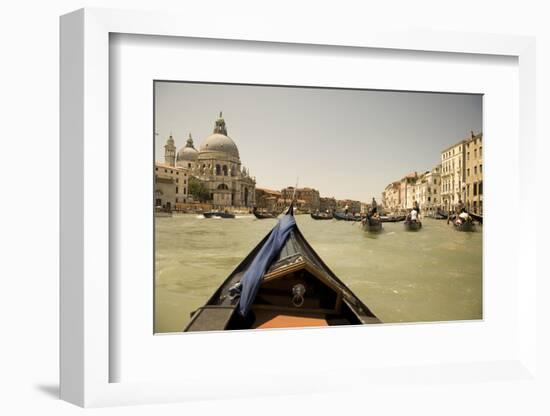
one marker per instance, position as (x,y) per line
(372,225)
(345,217)
(321,216)
(263,215)
(412,225)
(219,214)
(282,283)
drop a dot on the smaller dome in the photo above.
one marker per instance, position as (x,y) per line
(188,153)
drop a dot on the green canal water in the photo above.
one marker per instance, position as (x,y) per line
(431,275)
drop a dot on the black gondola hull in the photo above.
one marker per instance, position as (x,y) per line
(412,225)
(325,300)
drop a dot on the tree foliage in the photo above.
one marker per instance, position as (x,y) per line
(198,190)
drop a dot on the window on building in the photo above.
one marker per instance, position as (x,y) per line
(177,180)
(480,156)
(165,170)
(176,200)
(475,170)
(468,156)
(218,170)
(156,169)
(177,173)
(480,168)
(480,187)
(177,189)
(189,165)
(475,189)
(468,190)
(468,172)
(185,190)
(475,153)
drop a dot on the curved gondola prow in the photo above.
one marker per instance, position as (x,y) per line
(290,210)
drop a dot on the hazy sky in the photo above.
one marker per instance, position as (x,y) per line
(345,143)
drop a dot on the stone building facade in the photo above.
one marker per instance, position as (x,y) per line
(473,188)
(353,206)
(327,204)
(268,200)
(307,199)
(217,166)
(171,186)
(453,175)
(427,190)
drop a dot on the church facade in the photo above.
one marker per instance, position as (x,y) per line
(217,165)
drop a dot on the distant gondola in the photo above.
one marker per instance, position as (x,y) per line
(263,215)
(282,283)
(372,225)
(412,225)
(464,226)
(219,214)
(476,217)
(321,216)
(392,218)
(345,217)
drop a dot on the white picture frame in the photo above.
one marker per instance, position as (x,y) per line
(86,216)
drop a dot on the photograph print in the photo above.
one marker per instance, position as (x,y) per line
(283,207)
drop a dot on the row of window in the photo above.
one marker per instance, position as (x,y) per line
(172,171)
(451,152)
(477,189)
(184,190)
(475,170)
(475,153)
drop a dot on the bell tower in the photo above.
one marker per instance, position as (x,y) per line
(170,151)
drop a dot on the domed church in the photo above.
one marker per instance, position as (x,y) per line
(217,164)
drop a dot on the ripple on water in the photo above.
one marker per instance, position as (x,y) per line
(436,272)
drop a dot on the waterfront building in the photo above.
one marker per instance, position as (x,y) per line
(309,196)
(407,191)
(171,186)
(327,204)
(217,166)
(427,190)
(473,187)
(353,206)
(453,175)
(269,200)
(391,197)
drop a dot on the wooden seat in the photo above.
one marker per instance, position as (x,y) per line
(267,319)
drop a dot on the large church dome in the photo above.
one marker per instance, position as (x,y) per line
(188,153)
(219,141)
